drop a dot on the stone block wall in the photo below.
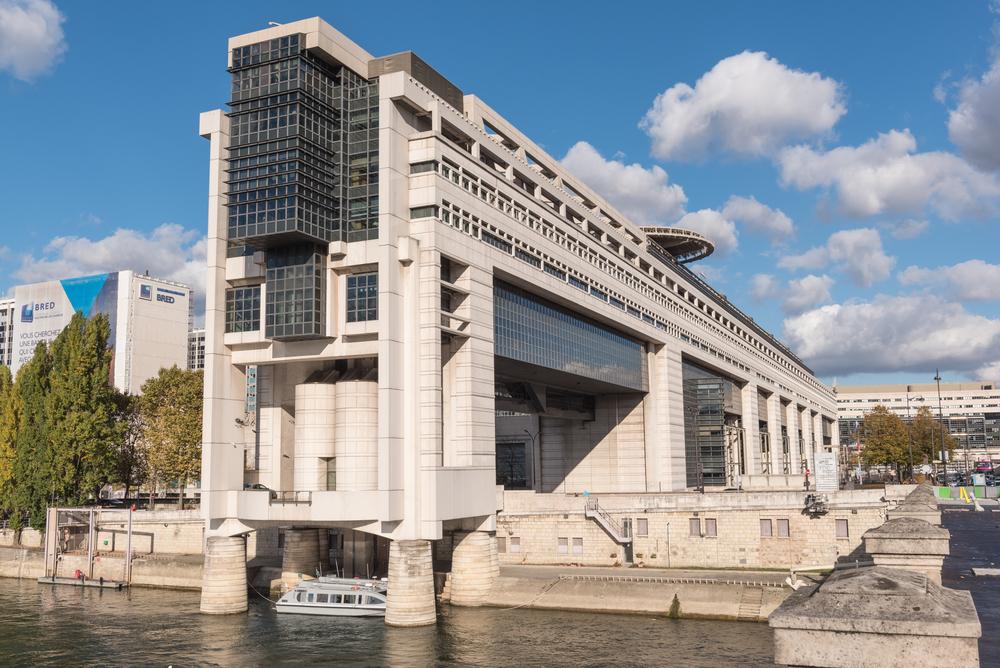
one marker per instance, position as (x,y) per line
(665,537)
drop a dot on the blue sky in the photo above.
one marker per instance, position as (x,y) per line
(781,102)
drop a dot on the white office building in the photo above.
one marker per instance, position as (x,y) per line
(148,317)
(433,306)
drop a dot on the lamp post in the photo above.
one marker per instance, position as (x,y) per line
(937,379)
(909,427)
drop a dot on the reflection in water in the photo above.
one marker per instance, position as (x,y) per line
(41,624)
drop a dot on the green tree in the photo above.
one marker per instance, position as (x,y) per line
(885,440)
(130,455)
(8,432)
(83,430)
(32,489)
(171,407)
(927,433)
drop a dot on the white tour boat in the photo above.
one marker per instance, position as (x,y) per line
(341,597)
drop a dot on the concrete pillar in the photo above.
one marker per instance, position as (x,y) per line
(910,544)
(774,421)
(751,430)
(410,600)
(301,553)
(471,568)
(494,557)
(224,577)
(357,435)
(314,434)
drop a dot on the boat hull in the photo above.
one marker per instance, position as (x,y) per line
(329,610)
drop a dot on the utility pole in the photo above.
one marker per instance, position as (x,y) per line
(944,462)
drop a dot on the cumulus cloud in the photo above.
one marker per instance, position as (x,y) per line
(890,334)
(969,280)
(748,104)
(169,251)
(886,176)
(759,218)
(764,287)
(974,125)
(908,229)
(857,253)
(31,37)
(644,195)
(807,292)
(713,225)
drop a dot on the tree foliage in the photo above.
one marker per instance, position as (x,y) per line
(171,406)
(927,434)
(885,438)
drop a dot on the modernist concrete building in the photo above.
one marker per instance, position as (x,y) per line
(196,350)
(970,410)
(149,319)
(432,306)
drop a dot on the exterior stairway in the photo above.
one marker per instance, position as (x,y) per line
(751,599)
(613,528)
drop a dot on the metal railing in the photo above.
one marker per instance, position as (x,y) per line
(594,511)
(292,498)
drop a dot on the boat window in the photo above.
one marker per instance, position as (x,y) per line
(321,598)
(336,598)
(350,599)
(301,596)
(311,596)
(372,600)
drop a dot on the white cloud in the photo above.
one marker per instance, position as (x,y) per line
(857,253)
(890,334)
(989,371)
(886,176)
(974,125)
(969,280)
(746,104)
(711,224)
(759,218)
(644,195)
(31,37)
(169,251)
(807,292)
(908,229)
(764,287)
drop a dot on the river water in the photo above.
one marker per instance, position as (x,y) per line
(60,625)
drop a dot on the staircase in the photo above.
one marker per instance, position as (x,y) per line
(751,599)
(593,511)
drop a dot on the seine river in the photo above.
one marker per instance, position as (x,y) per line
(45,625)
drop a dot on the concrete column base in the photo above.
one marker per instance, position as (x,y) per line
(494,557)
(224,577)
(929,565)
(301,553)
(410,600)
(472,568)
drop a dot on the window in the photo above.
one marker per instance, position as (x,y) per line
(842,529)
(765,529)
(563,546)
(373,600)
(423,212)
(502,544)
(362,297)
(783,529)
(694,527)
(322,598)
(711,528)
(641,526)
(515,544)
(350,599)
(511,465)
(243,309)
(577,546)
(336,598)
(421,167)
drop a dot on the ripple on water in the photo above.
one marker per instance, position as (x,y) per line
(45,625)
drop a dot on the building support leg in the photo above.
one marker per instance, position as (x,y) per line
(224,577)
(411,584)
(301,553)
(472,566)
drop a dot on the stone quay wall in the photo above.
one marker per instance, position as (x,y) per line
(713,530)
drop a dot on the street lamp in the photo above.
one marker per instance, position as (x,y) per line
(909,426)
(937,379)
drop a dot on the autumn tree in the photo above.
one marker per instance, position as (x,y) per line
(131,467)
(927,433)
(171,406)
(885,439)
(31,488)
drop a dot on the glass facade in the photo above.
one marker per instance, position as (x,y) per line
(303,147)
(533,330)
(243,309)
(362,297)
(294,282)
